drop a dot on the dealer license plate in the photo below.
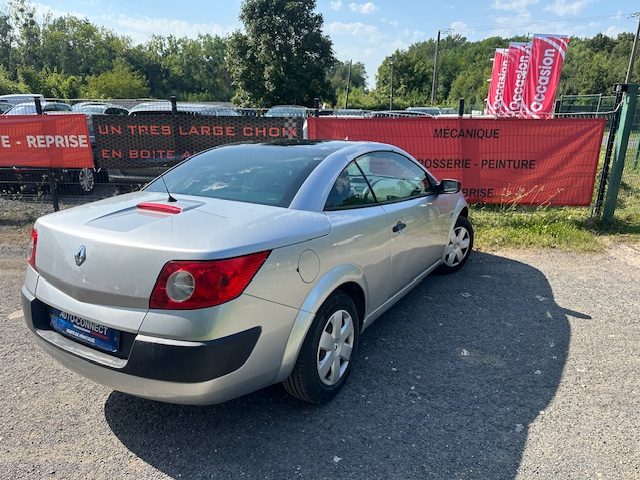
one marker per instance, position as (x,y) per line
(85,331)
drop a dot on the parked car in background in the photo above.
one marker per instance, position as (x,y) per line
(99,108)
(263,264)
(4,107)
(16,98)
(183,108)
(446,111)
(287,111)
(433,111)
(349,112)
(399,113)
(29,108)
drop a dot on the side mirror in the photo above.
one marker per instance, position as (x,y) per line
(449,186)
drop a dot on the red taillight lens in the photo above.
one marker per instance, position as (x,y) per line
(31,254)
(214,282)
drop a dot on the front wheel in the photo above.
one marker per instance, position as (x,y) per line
(324,362)
(458,247)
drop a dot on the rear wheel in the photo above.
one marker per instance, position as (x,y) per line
(324,362)
(459,246)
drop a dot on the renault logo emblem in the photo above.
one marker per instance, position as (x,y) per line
(81,256)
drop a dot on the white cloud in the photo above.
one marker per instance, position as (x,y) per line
(393,23)
(362,30)
(614,30)
(513,5)
(45,10)
(365,8)
(336,5)
(458,26)
(562,7)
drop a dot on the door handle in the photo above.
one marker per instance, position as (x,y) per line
(398,227)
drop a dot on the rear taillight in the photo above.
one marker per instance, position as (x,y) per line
(31,253)
(187,285)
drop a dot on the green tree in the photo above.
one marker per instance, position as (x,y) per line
(339,74)
(9,86)
(188,68)
(283,57)
(358,98)
(77,47)
(28,30)
(6,41)
(121,82)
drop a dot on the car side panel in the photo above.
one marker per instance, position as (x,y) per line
(416,246)
(358,237)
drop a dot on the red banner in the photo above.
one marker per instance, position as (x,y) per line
(545,67)
(504,161)
(57,141)
(498,77)
(517,67)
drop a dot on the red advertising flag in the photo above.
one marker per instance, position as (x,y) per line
(498,77)
(57,141)
(517,68)
(545,67)
(505,160)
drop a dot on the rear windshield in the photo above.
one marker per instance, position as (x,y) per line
(264,174)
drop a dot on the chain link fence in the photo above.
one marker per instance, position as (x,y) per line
(120,172)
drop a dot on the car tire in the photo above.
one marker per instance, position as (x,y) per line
(86,180)
(326,356)
(458,247)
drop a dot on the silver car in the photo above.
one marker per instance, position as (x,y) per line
(243,266)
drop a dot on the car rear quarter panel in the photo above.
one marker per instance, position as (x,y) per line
(357,250)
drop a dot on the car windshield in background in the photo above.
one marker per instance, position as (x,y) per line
(23,110)
(286,112)
(96,109)
(255,173)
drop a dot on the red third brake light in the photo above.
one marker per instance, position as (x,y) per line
(31,256)
(215,282)
(159,207)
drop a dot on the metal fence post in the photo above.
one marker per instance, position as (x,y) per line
(461,107)
(177,146)
(53,188)
(617,167)
(174,104)
(613,129)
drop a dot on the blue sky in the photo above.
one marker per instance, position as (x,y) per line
(363,30)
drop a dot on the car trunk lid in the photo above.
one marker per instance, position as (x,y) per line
(111,252)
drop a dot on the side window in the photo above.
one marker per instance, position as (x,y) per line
(348,190)
(393,177)
(115,111)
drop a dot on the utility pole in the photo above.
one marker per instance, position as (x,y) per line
(391,93)
(346,98)
(633,50)
(434,85)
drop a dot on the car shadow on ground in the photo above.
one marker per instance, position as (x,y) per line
(444,386)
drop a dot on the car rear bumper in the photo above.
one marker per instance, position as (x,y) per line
(175,371)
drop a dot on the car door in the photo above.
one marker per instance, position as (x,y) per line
(415,222)
(359,234)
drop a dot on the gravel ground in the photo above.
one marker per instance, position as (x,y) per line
(525,365)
